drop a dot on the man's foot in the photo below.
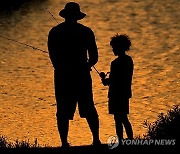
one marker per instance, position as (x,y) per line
(65,146)
(96,143)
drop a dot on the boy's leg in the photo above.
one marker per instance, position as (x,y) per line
(119,126)
(127,126)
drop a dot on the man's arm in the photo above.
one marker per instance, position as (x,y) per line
(92,49)
(51,46)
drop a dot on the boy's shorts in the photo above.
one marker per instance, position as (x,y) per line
(118,105)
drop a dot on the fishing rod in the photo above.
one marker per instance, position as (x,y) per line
(58,23)
(33,47)
(52,16)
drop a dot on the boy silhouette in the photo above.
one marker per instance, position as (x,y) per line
(119,83)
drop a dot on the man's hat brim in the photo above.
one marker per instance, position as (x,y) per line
(65,14)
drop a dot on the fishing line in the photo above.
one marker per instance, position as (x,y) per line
(52,15)
(33,47)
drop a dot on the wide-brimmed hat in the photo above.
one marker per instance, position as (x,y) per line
(72,10)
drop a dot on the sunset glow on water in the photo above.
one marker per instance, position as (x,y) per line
(27,102)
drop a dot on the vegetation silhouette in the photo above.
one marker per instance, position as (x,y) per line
(166,126)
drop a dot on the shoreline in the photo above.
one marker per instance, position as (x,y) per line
(90,149)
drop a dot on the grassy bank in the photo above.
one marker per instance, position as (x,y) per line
(163,134)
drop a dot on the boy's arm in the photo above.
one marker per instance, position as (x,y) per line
(106,82)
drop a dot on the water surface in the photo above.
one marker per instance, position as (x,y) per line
(27,103)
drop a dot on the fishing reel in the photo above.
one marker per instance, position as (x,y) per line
(103,75)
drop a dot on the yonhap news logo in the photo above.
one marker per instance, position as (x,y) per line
(113,142)
(148,142)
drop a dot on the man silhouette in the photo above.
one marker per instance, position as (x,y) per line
(69,45)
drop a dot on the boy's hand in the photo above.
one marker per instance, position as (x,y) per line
(102,75)
(105,82)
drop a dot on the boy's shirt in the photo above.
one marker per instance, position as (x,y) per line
(121,77)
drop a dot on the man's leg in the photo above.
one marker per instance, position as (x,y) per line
(63,127)
(93,122)
(87,109)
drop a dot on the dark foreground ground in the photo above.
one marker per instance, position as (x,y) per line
(98,150)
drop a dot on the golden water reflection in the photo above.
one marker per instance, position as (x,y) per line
(27,103)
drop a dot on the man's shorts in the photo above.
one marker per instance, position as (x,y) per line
(70,92)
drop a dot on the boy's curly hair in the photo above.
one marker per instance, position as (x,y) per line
(121,41)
